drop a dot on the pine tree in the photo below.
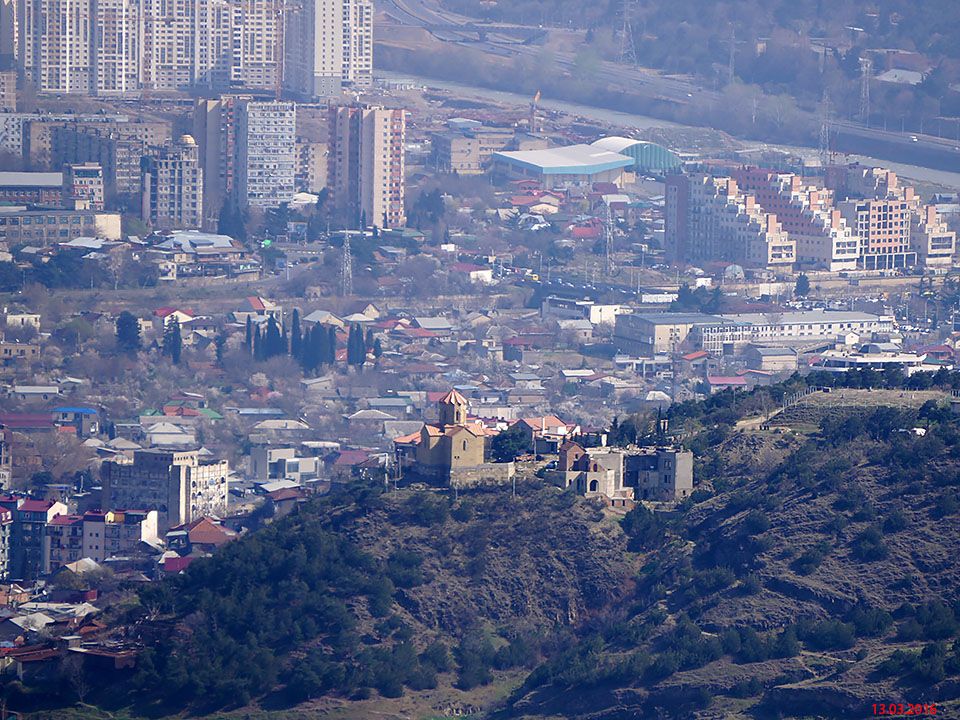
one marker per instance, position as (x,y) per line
(128,333)
(249,339)
(172,340)
(296,339)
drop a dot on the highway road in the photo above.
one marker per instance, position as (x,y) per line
(504,40)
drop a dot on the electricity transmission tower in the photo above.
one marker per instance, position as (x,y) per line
(866,68)
(825,131)
(732,57)
(628,50)
(346,267)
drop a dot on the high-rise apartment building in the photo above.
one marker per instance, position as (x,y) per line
(10,11)
(117,47)
(172,186)
(180,486)
(328,44)
(357,43)
(712,218)
(266,153)
(256,62)
(366,172)
(215,130)
(58,44)
(109,47)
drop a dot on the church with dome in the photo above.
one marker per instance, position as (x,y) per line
(454,449)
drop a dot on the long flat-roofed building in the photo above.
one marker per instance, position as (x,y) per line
(570,165)
(31,187)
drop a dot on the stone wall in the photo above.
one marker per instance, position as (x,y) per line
(486,474)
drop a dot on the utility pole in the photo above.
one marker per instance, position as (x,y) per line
(608,240)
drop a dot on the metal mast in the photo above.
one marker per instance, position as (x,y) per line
(866,68)
(825,131)
(346,267)
(628,50)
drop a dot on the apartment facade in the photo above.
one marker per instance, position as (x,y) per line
(328,45)
(172,186)
(266,153)
(884,229)
(711,218)
(931,239)
(47,227)
(367,169)
(98,535)
(823,237)
(180,486)
(83,186)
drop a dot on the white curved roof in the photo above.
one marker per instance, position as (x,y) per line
(616,144)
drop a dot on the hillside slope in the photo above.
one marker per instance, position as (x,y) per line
(819,588)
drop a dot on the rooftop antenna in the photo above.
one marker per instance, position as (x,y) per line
(628,50)
(346,267)
(866,68)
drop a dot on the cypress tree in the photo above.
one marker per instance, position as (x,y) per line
(173,341)
(249,339)
(296,339)
(273,340)
(331,358)
(257,344)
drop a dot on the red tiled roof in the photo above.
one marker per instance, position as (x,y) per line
(256,303)
(36,505)
(206,532)
(66,519)
(26,421)
(726,380)
(466,267)
(418,333)
(696,355)
(350,457)
(285,494)
(177,564)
